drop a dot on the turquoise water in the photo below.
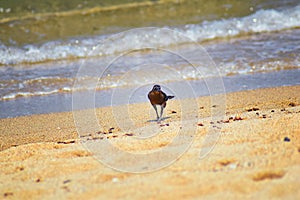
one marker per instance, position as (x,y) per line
(43,44)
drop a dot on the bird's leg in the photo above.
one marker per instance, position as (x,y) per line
(161,112)
(155,108)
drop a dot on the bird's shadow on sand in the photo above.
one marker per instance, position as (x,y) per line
(162,119)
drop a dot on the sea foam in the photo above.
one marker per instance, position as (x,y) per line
(261,21)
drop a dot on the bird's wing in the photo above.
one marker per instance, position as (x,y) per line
(165,96)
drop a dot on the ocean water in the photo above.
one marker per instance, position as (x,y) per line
(125,43)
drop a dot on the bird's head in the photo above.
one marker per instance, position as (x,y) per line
(156,88)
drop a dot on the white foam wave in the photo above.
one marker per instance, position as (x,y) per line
(15,95)
(261,21)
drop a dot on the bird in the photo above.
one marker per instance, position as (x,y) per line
(158,97)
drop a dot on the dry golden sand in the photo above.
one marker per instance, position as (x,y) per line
(41,156)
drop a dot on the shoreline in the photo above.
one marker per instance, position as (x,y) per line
(256,155)
(63,101)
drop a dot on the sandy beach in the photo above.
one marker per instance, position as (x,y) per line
(257,155)
(61,59)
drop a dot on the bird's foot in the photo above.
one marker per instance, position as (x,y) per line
(158,120)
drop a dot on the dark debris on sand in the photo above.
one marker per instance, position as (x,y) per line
(286,139)
(66,142)
(292,104)
(252,109)
(128,134)
(237,118)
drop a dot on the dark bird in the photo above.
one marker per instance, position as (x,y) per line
(158,97)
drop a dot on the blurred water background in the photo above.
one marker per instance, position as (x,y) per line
(253,44)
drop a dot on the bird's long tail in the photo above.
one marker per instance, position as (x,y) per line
(170,97)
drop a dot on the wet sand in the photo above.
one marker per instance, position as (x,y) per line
(256,156)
